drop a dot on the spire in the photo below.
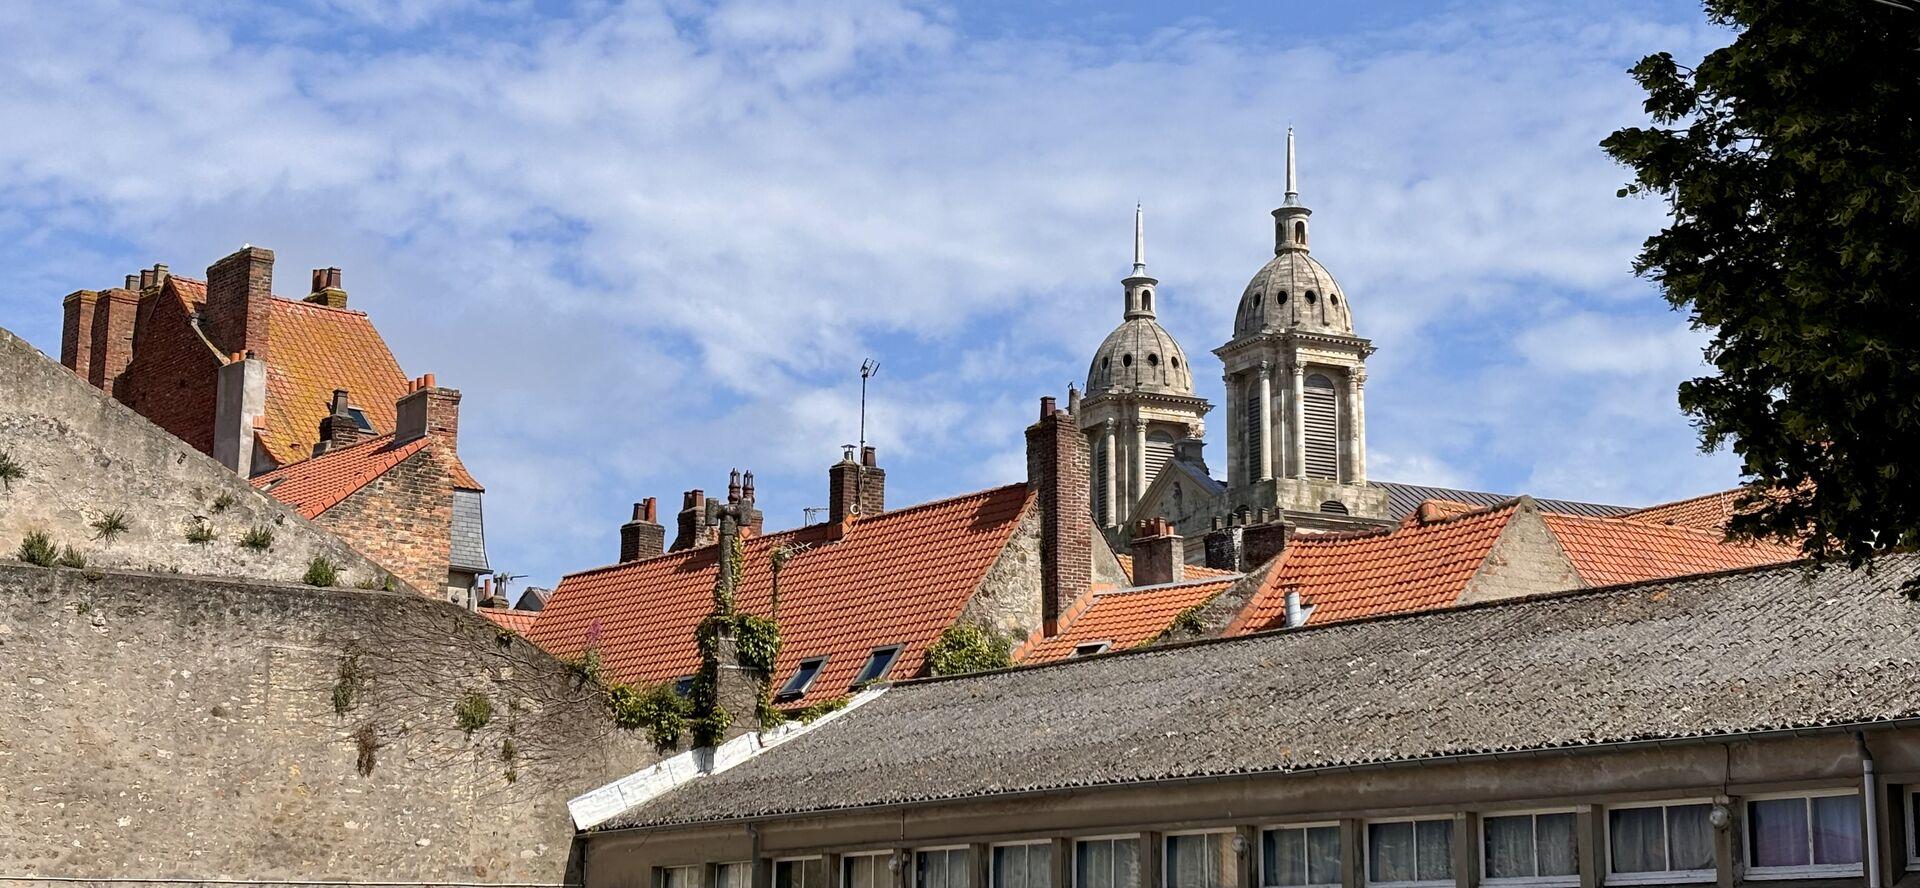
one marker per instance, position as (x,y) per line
(1293,187)
(1139,243)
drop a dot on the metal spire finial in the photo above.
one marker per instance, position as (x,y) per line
(1139,243)
(1293,188)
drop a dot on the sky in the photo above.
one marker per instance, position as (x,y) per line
(653,241)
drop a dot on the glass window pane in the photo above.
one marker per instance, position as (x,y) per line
(1186,862)
(1039,866)
(1126,863)
(1777,832)
(1836,829)
(1556,843)
(1435,839)
(783,874)
(1689,838)
(1636,838)
(1224,871)
(1390,852)
(1323,855)
(1284,857)
(1509,847)
(1093,865)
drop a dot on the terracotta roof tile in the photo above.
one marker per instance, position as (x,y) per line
(314,349)
(1346,576)
(1706,512)
(1125,617)
(314,485)
(506,618)
(900,577)
(1193,571)
(1613,550)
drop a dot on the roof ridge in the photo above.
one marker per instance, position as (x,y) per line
(350,448)
(1689,499)
(302,303)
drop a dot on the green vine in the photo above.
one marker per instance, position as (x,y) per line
(348,685)
(1187,623)
(969,648)
(658,710)
(810,714)
(473,712)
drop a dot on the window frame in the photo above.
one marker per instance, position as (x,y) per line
(787,691)
(1366,852)
(1810,870)
(1662,877)
(1167,837)
(773,874)
(1073,851)
(892,651)
(660,879)
(840,878)
(1260,870)
(1022,843)
(1535,881)
(913,875)
(1907,795)
(718,865)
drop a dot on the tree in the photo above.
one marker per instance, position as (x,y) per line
(1790,161)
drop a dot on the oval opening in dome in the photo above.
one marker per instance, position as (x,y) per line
(1106,362)
(1333,299)
(1280,297)
(1311,298)
(1153,360)
(1175,362)
(1126,360)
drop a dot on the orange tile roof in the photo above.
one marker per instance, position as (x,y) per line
(312,350)
(1125,617)
(899,577)
(1345,576)
(312,486)
(1706,512)
(1193,571)
(507,618)
(1616,550)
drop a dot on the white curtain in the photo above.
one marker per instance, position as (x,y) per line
(1284,857)
(1557,846)
(1778,828)
(1638,840)
(1435,861)
(1323,855)
(1510,847)
(1836,829)
(1390,852)
(1689,837)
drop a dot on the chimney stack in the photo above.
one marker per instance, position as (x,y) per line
(643,537)
(1159,554)
(1223,544)
(239,299)
(1296,614)
(693,531)
(326,288)
(428,409)
(856,487)
(1261,543)
(1057,472)
(338,429)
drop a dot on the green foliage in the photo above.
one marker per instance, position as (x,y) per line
(222,502)
(1186,623)
(348,686)
(36,548)
(969,648)
(69,557)
(473,712)
(10,470)
(322,572)
(810,714)
(200,532)
(586,669)
(663,714)
(377,581)
(509,751)
(110,525)
(1789,162)
(258,538)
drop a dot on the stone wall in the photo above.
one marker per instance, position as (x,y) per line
(1527,559)
(86,457)
(171,728)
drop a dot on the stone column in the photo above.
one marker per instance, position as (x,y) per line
(1110,509)
(1265,455)
(1357,405)
(1234,429)
(1297,416)
(1138,464)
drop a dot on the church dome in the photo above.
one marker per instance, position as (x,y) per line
(1293,291)
(1141,356)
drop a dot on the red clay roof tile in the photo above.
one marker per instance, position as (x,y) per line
(506,618)
(312,486)
(1616,550)
(1125,617)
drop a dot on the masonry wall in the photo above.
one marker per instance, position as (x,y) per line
(403,520)
(181,729)
(1527,559)
(87,457)
(174,376)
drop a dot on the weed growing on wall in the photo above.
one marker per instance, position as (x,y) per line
(658,710)
(37,549)
(969,648)
(71,558)
(473,712)
(110,525)
(348,686)
(258,538)
(10,470)
(221,503)
(200,532)
(322,572)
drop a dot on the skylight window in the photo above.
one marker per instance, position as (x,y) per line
(360,419)
(683,685)
(1091,648)
(878,665)
(803,677)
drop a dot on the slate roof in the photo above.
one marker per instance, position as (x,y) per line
(467,550)
(1125,617)
(1405,499)
(1729,654)
(1612,550)
(897,578)
(318,483)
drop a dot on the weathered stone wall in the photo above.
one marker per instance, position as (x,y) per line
(87,456)
(403,520)
(165,727)
(1527,559)
(1008,597)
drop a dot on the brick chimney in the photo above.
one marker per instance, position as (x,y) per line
(338,429)
(239,294)
(873,483)
(1224,543)
(1159,554)
(76,332)
(326,288)
(693,531)
(643,537)
(1057,472)
(1261,543)
(856,487)
(428,409)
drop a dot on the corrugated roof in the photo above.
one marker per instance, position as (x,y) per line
(897,578)
(1613,550)
(1405,499)
(1702,656)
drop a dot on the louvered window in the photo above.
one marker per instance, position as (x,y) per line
(1100,456)
(1250,464)
(1159,450)
(1323,428)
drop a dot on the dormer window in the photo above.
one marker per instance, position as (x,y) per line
(802,678)
(878,665)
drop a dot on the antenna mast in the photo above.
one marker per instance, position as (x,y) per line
(868,368)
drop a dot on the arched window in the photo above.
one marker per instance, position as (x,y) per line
(1322,428)
(1333,507)
(1300,233)
(1146,300)
(1159,450)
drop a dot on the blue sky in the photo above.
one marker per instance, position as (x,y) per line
(652,241)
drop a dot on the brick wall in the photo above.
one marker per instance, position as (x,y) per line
(174,728)
(239,298)
(402,519)
(1057,471)
(173,379)
(76,331)
(114,318)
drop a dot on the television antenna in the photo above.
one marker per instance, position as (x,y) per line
(868,368)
